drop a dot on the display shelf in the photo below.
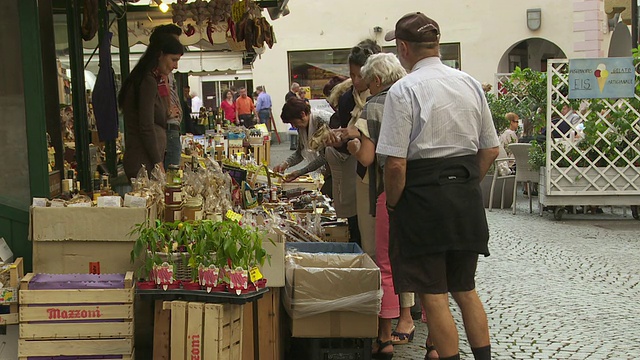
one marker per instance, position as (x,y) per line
(202,296)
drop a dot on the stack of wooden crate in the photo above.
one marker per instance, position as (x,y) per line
(199,331)
(9,293)
(76,318)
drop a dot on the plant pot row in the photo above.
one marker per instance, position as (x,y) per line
(196,286)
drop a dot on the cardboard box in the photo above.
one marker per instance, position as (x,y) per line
(274,271)
(82,240)
(323,291)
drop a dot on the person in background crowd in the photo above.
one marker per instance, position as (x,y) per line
(245,110)
(570,116)
(174,145)
(303,95)
(228,107)
(342,164)
(295,88)
(186,109)
(436,156)
(144,100)
(332,90)
(327,91)
(263,107)
(510,135)
(379,73)
(298,113)
(196,103)
(235,92)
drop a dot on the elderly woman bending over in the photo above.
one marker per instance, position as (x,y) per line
(311,130)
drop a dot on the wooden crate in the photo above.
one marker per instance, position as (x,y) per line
(204,331)
(336,233)
(270,329)
(235,150)
(9,294)
(76,322)
(262,153)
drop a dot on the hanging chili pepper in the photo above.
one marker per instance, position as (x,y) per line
(210,31)
(231,27)
(190,30)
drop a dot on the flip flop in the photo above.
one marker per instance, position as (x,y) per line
(380,355)
(430,348)
(403,338)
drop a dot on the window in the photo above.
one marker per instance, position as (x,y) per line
(314,68)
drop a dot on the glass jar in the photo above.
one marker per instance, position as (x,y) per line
(173,176)
(192,209)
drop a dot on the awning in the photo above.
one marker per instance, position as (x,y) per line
(190,62)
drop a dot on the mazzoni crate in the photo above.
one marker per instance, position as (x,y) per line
(76,315)
(205,331)
(330,349)
(9,294)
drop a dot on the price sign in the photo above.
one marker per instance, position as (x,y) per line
(232,215)
(255,274)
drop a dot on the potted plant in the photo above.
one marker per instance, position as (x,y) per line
(238,254)
(153,248)
(204,271)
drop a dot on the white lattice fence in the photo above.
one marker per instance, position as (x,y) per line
(610,163)
(500,90)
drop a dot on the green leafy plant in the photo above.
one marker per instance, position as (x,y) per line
(150,238)
(537,155)
(205,242)
(239,246)
(226,243)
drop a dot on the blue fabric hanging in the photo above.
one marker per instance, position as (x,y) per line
(105,103)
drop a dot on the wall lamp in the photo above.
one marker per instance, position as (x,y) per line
(534,19)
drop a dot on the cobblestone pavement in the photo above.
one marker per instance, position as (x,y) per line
(565,289)
(557,290)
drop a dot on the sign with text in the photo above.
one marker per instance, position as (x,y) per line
(601,78)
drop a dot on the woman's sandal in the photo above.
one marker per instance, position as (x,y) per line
(403,338)
(430,348)
(380,355)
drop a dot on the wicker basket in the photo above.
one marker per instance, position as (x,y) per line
(182,271)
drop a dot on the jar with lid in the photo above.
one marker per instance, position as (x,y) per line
(173,213)
(173,195)
(173,176)
(192,209)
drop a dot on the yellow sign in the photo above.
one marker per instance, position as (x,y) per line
(232,215)
(255,274)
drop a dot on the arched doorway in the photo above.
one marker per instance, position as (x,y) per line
(530,53)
